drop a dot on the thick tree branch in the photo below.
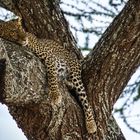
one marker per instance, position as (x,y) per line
(112,62)
(113,130)
(8,5)
(2,76)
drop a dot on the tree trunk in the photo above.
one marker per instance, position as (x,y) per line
(106,71)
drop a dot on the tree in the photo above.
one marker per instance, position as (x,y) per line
(106,71)
(91,19)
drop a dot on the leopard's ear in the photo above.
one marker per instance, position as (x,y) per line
(20,21)
(20,24)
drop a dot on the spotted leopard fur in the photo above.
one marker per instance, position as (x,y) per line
(61,65)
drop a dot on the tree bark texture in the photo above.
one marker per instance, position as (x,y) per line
(106,71)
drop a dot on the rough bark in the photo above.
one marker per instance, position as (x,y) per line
(112,62)
(106,71)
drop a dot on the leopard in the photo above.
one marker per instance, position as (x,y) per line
(60,64)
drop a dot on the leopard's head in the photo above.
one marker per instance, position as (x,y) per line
(12,31)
